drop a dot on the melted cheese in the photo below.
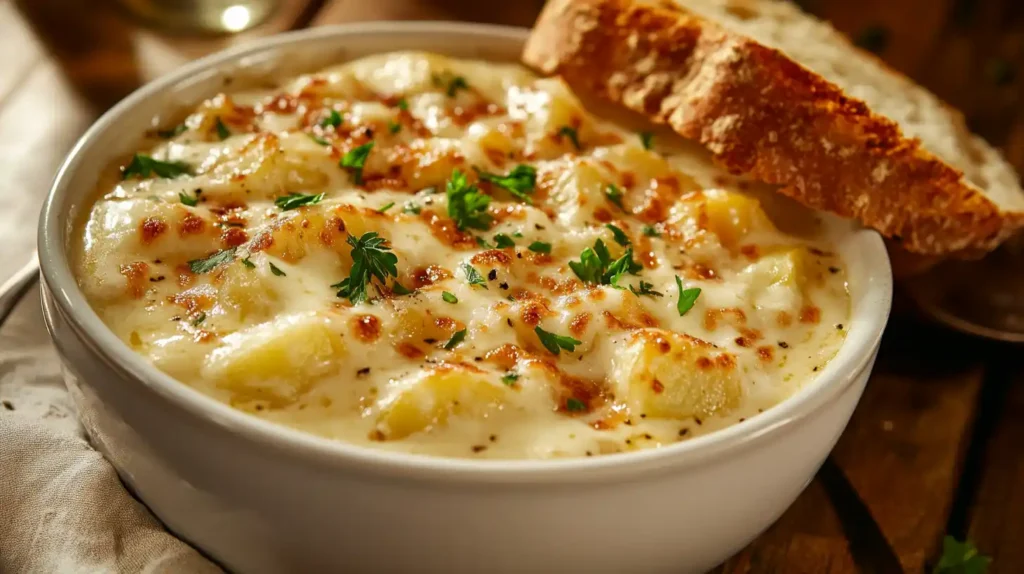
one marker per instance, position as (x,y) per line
(266,332)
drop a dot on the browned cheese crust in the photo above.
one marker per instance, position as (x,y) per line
(764,115)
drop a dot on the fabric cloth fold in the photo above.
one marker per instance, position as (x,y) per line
(63,508)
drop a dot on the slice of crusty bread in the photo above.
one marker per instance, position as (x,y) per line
(707,70)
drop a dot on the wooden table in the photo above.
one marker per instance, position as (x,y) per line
(934,446)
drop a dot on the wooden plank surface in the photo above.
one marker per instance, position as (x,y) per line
(893,485)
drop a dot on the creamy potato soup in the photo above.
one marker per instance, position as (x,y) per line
(430,255)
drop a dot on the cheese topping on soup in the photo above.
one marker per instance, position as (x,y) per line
(423,254)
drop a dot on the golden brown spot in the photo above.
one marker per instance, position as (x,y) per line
(423,276)
(185,275)
(657,386)
(579,323)
(663,345)
(743,341)
(704,363)
(492,257)
(505,356)
(409,350)
(136,274)
(751,252)
(627,179)
(446,232)
(496,156)
(810,314)
(531,312)
(765,353)
(233,237)
(150,229)
(192,301)
(366,327)
(374,183)
(446,324)
(204,336)
(735,317)
(589,392)
(613,420)
(603,215)
(262,241)
(701,271)
(783,319)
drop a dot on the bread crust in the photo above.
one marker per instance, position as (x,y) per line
(764,115)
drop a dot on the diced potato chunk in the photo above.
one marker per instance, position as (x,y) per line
(667,375)
(276,361)
(431,398)
(732,216)
(779,280)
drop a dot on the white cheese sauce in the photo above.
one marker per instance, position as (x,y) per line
(189,255)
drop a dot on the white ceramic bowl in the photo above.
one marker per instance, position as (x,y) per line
(258,497)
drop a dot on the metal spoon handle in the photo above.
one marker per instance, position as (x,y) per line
(15,288)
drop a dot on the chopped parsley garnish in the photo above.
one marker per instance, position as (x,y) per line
(519,182)
(620,236)
(370,258)
(614,195)
(449,297)
(467,205)
(960,558)
(687,297)
(413,208)
(455,84)
(319,140)
(555,343)
(596,265)
(144,166)
(572,134)
(574,405)
(297,200)
(651,231)
(332,120)
(646,139)
(645,289)
(502,241)
(189,201)
(510,379)
(394,127)
(222,130)
(473,276)
(457,338)
(355,159)
(483,243)
(213,261)
(248,263)
(517,235)
(384,209)
(398,289)
(173,132)
(198,320)
(540,247)
(403,104)
(276,270)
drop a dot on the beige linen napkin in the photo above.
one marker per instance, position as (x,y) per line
(62,507)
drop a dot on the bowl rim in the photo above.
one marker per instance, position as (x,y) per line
(854,356)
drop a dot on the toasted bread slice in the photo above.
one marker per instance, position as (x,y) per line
(761,113)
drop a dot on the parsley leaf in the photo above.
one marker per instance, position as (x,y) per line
(173,132)
(555,343)
(248,263)
(355,159)
(276,270)
(370,258)
(574,405)
(319,140)
(144,166)
(297,200)
(620,236)
(510,379)
(403,104)
(222,130)
(467,206)
(645,289)
(449,297)
(540,247)
(394,127)
(651,231)
(687,297)
(213,261)
(596,265)
(399,289)
(572,134)
(960,558)
(614,195)
(473,276)
(455,84)
(189,201)
(502,241)
(457,338)
(519,182)
(333,120)
(198,320)
(646,138)
(384,209)
(413,208)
